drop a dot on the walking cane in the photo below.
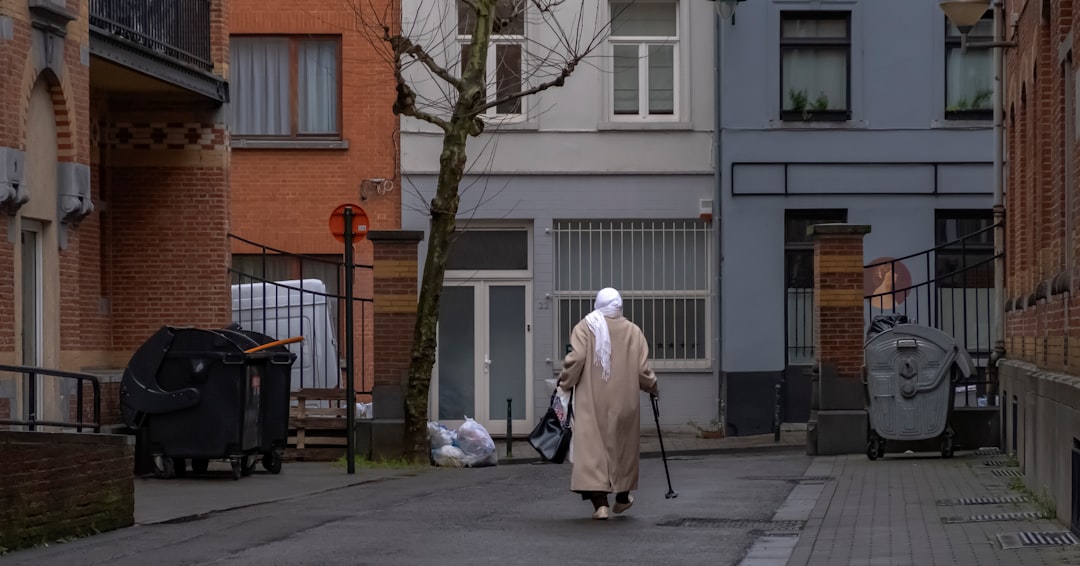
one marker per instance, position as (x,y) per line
(671,493)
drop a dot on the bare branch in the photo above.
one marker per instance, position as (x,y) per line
(405,104)
(405,46)
(559,80)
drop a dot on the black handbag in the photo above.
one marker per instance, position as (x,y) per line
(551,437)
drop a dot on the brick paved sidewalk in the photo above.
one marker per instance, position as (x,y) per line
(887,512)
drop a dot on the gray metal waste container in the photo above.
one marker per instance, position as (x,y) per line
(910,370)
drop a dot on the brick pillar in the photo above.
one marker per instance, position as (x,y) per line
(838,405)
(395,294)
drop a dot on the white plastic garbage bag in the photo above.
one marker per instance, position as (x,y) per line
(440,435)
(448,457)
(363,410)
(476,443)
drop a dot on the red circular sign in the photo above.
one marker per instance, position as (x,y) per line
(359,223)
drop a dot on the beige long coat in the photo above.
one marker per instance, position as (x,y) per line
(607,422)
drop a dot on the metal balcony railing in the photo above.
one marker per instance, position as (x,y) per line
(179,29)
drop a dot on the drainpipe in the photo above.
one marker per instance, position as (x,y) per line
(718,325)
(999,202)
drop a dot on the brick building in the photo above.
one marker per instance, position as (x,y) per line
(114,181)
(1041,398)
(312,128)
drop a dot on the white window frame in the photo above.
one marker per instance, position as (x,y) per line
(491,115)
(643,43)
(623,229)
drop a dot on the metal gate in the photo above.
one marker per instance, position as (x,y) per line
(278,292)
(956,297)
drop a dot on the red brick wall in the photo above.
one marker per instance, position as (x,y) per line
(5,411)
(70,93)
(1042,319)
(172,266)
(838,297)
(395,304)
(300,188)
(89,487)
(7,294)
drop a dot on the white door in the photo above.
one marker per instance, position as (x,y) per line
(484,355)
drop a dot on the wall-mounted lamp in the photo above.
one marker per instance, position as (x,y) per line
(964,14)
(726,9)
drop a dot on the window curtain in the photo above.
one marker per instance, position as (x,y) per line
(970,78)
(651,19)
(661,79)
(260,86)
(818,73)
(626,79)
(318,87)
(641,20)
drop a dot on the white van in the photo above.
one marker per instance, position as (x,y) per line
(284,309)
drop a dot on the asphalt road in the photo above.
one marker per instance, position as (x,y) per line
(518,514)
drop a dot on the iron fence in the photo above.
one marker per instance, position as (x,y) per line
(179,29)
(283,294)
(955,296)
(41,395)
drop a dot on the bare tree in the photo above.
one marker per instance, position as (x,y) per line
(441,66)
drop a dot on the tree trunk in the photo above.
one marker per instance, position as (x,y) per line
(444,209)
(472,93)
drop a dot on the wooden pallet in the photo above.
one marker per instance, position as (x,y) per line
(317,434)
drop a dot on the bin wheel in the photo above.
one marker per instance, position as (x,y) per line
(947,447)
(271,462)
(237,470)
(163,467)
(248,466)
(179,467)
(200,465)
(873,449)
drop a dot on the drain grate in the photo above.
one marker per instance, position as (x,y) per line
(994,463)
(988,451)
(989,517)
(794,479)
(714,523)
(1010,473)
(1036,539)
(984,500)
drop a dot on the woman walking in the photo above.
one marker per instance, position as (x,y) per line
(608,365)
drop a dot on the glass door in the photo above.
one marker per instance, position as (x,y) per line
(484,355)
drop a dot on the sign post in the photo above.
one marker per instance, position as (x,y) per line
(349,224)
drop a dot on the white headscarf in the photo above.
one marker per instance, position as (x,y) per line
(608,304)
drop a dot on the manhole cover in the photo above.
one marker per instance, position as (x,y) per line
(989,517)
(794,479)
(994,462)
(1011,473)
(991,451)
(1034,539)
(984,500)
(713,523)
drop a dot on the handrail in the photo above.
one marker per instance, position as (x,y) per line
(948,246)
(31,372)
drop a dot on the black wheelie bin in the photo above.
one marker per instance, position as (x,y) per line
(274,403)
(198,392)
